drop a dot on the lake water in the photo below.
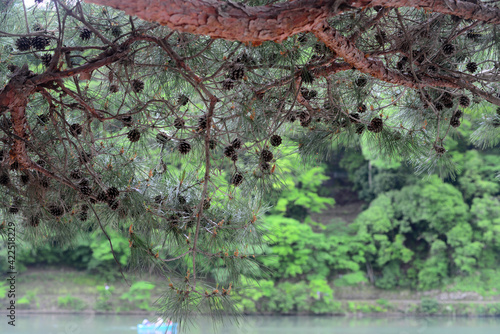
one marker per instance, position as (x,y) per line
(82,324)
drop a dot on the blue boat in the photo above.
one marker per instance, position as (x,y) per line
(154,329)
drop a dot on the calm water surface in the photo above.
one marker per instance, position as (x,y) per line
(78,324)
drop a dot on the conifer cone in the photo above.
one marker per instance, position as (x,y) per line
(362,108)
(206,204)
(75,129)
(265,166)
(361,82)
(438,106)
(275,140)
(305,123)
(448,49)
(85,190)
(116,31)
(439,149)
(4,179)
(162,138)
(237,72)
(266,155)
(236,143)
(102,196)
(46,58)
(228,84)
(184,147)
(354,117)
(158,199)
(84,183)
(229,151)
(127,120)
(23,43)
(182,100)
(76,174)
(113,89)
(43,118)
(137,85)
(360,128)
(179,123)
(113,204)
(376,125)
(85,33)
(56,210)
(134,135)
(202,123)
(212,144)
(455,122)
(237,179)
(39,43)
(471,67)
(83,216)
(464,101)
(234,157)
(112,193)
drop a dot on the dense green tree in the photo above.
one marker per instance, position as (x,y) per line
(169,126)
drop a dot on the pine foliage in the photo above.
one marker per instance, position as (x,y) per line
(173,139)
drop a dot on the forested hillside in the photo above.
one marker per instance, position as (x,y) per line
(355,220)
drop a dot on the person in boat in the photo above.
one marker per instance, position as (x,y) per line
(146,322)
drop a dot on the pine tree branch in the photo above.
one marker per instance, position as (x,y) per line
(276,22)
(344,48)
(229,20)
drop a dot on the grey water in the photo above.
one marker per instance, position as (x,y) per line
(95,324)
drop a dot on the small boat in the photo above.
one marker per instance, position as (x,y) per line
(152,328)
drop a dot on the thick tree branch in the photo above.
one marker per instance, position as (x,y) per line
(374,67)
(229,20)
(276,22)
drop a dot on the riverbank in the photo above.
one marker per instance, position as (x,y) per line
(67,291)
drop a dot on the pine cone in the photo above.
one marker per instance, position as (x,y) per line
(39,43)
(56,210)
(236,143)
(361,82)
(23,43)
(266,155)
(75,129)
(112,193)
(376,125)
(179,123)
(137,85)
(237,179)
(471,67)
(134,135)
(85,33)
(229,151)
(448,49)
(275,140)
(228,84)
(76,174)
(464,101)
(182,100)
(184,147)
(46,58)
(113,89)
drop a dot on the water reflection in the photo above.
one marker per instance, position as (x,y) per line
(85,324)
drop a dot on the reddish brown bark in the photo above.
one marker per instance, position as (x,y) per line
(228,20)
(344,48)
(234,21)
